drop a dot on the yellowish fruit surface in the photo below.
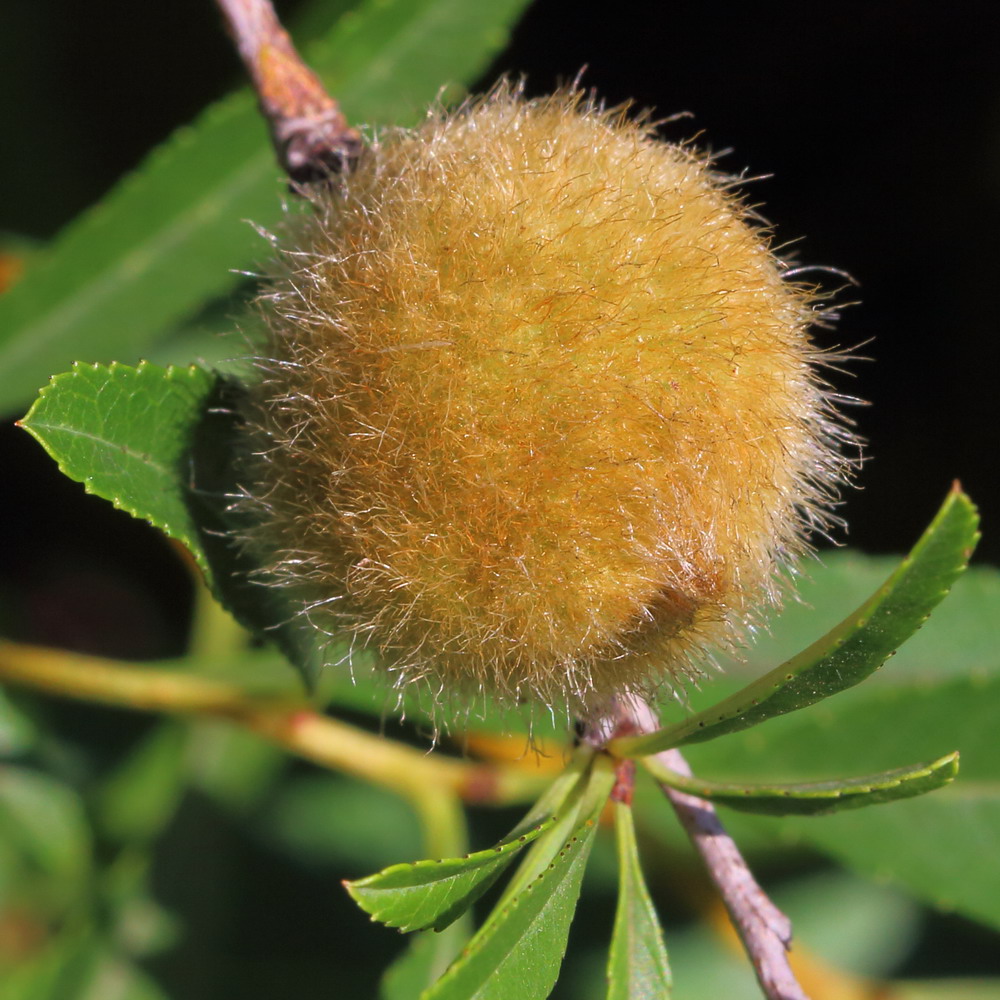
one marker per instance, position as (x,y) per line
(539,416)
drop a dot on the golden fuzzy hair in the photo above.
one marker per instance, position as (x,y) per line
(540,416)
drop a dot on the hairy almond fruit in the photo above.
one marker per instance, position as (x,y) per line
(539,417)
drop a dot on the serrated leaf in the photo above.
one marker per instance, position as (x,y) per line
(124,433)
(848,654)
(160,444)
(431,894)
(434,893)
(171,236)
(638,968)
(517,952)
(816,797)
(563,799)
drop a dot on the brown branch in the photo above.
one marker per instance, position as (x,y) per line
(765,931)
(310,134)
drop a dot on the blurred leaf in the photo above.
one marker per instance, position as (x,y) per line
(79,966)
(44,820)
(333,820)
(17,732)
(124,432)
(852,651)
(231,765)
(947,989)
(142,794)
(422,962)
(817,797)
(138,925)
(168,237)
(638,968)
(432,894)
(517,952)
(881,929)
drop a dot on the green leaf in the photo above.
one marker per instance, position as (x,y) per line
(562,799)
(160,443)
(78,965)
(517,952)
(422,963)
(432,893)
(638,968)
(168,238)
(932,846)
(232,765)
(142,794)
(124,433)
(852,651)
(43,819)
(817,797)
(18,733)
(435,893)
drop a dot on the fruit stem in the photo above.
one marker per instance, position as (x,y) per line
(310,133)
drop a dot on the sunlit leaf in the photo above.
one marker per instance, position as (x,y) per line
(852,651)
(517,952)
(638,968)
(816,797)
(432,893)
(124,433)
(933,845)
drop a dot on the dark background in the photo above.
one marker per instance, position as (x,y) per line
(880,124)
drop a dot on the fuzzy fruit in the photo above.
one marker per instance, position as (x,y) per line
(539,417)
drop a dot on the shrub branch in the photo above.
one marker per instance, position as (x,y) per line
(310,133)
(294,726)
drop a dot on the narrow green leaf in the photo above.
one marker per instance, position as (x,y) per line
(44,821)
(852,651)
(430,893)
(169,237)
(933,846)
(563,799)
(18,733)
(517,952)
(142,794)
(638,968)
(435,893)
(817,797)
(124,432)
